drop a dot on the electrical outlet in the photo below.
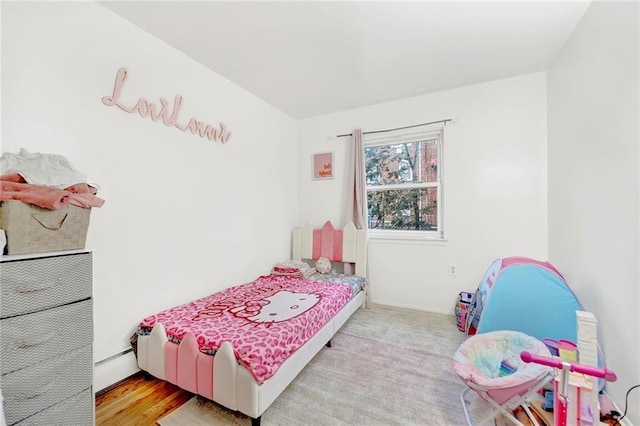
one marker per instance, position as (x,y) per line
(453,269)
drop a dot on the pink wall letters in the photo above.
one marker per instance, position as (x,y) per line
(168,114)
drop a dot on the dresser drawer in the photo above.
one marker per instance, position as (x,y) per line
(38,387)
(32,285)
(76,411)
(29,339)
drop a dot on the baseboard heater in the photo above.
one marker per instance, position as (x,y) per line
(117,354)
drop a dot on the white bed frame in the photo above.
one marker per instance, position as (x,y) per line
(233,386)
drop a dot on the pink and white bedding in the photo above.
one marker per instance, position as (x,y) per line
(265,321)
(355,282)
(228,348)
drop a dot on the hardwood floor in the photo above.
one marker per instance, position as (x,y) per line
(138,401)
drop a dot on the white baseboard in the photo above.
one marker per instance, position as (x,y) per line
(413,307)
(113,370)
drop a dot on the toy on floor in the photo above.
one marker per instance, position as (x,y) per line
(523,294)
(461,309)
(490,365)
(567,406)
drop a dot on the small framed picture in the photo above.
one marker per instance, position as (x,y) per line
(322,165)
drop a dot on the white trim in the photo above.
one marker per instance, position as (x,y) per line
(414,307)
(114,355)
(400,136)
(112,371)
(384,235)
(401,186)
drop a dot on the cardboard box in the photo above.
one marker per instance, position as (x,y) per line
(31,229)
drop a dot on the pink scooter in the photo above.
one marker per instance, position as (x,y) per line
(560,418)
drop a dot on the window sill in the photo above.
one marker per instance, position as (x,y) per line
(416,236)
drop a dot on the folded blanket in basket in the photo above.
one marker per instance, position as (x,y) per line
(47,197)
(41,196)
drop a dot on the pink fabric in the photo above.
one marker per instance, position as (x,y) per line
(513,260)
(326,245)
(41,196)
(46,197)
(285,270)
(84,195)
(317,244)
(205,375)
(171,362)
(265,321)
(82,188)
(327,242)
(338,236)
(187,363)
(14,177)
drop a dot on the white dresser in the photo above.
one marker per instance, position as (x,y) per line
(46,338)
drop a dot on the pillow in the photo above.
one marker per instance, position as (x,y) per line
(323,265)
(292,267)
(285,270)
(298,264)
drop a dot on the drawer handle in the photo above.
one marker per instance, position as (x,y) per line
(32,289)
(42,341)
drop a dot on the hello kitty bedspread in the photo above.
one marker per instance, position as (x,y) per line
(266,320)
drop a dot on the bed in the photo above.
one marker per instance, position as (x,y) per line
(198,346)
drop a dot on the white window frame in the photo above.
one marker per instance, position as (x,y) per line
(404,137)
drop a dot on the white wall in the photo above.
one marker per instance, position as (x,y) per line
(182,213)
(594,185)
(495,186)
(184,216)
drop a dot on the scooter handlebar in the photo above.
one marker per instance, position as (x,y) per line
(604,373)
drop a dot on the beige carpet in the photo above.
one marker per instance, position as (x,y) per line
(387,366)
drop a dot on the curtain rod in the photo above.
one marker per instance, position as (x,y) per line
(445,121)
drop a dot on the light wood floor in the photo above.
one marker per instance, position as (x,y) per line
(138,401)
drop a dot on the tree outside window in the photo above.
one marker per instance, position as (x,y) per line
(403,184)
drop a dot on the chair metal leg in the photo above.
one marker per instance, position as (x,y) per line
(464,406)
(501,410)
(530,415)
(506,407)
(491,416)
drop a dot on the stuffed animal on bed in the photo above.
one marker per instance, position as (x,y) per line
(323,265)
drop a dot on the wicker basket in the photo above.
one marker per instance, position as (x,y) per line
(31,229)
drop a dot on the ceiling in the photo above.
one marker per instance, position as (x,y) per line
(314,58)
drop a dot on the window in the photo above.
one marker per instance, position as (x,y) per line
(404,185)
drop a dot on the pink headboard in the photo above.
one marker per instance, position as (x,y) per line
(338,245)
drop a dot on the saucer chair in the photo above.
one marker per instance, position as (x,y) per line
(490,365)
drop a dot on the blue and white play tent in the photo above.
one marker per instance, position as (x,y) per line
(527,295)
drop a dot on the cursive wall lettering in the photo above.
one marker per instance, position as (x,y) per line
(166,113)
